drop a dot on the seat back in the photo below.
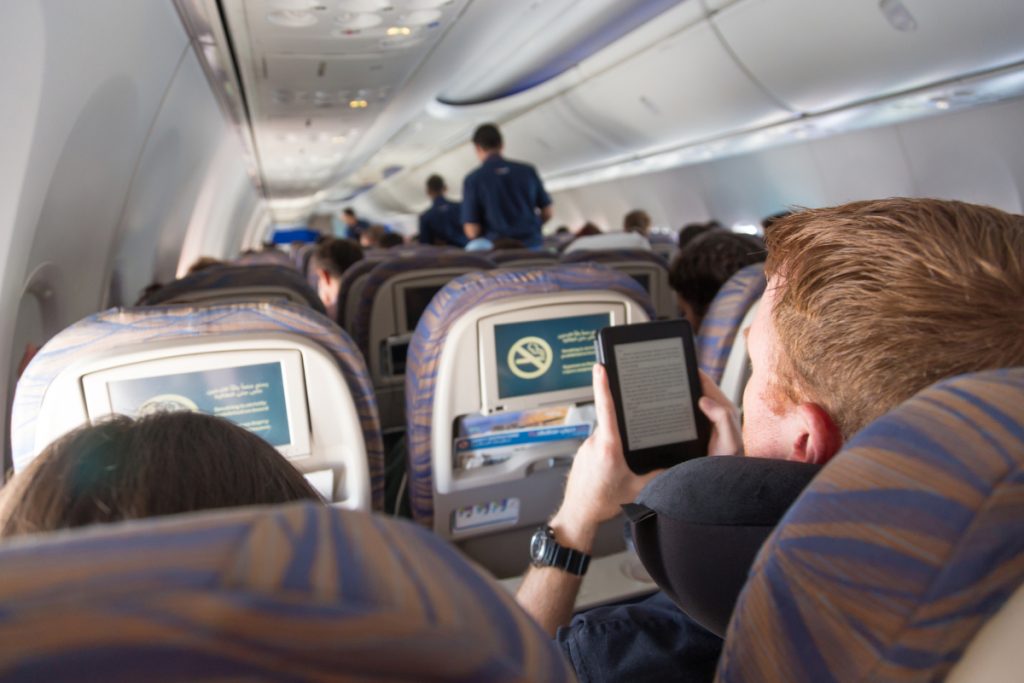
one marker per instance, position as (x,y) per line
(899,551)
(286,593)
(318,408)
(390,302)
(720,343)
(266,257)
(349,290)
(522,258)
(497,393)
(234,284)
(646,267)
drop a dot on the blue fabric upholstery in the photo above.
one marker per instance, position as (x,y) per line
(291,593)
(898,552)
(348,279)
(451,303)
(119,327)
(226,277)
(511,256)
(614,256)
(389,269)
(719,328)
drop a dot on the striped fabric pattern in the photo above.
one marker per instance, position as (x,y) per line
(120,327)
(290,593)
(224,277)
(458,298)
(614,256)
(504,256)
(722,322)
(389,269)
(348,278)
(894,557)
(268,257)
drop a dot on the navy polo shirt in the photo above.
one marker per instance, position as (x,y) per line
(353,232)
(503,197)
(442,222)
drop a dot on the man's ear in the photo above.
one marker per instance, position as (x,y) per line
(819,438)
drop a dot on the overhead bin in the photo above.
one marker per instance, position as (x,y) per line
(816,56)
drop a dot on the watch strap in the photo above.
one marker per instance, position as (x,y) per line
(569,560)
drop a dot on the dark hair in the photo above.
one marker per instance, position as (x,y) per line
(508,243)
(349,211)
(637,221)
(435,184)
(373,235)
(708,261)
(691,231)
(204,262)
(588,229)
(767,221)
(562,230)
(488,138)
(391,239)
(160,464)
(150,289)
(336,255)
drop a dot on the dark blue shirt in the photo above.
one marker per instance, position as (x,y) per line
(353,232)
(649,639)
(442,222)
(503,197)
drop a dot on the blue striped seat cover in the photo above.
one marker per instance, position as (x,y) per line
(510,256)
(267,257)
(393,267)
(614,256)
(348,279)
(450,304)
(119,327)
(722,322)
(301,592)
(224,277)
(890,562)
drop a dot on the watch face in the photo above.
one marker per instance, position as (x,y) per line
(538,544)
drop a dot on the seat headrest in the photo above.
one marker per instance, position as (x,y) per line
(899,551)
(727,507)
(513,255)
(239,278)
(721,324)
(297,592)
(614,256)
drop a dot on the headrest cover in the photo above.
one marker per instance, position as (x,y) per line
(227,277)
(726,507)
(720,326)
(894,557)
(300,592)
(612,256)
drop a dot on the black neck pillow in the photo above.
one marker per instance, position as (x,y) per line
(698,526)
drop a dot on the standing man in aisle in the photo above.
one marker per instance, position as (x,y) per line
(503,198)
(442,223)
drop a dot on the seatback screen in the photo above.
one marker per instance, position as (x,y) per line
(251,396)
(416,301)
(539,356)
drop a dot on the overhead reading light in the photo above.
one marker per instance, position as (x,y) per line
(399,31)
(358,104)
(292,19)
(898,16)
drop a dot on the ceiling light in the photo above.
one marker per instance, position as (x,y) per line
(358,104)
(339,139)
(747,229)
(364,5)
(359,22)
(423,17)
(291,18)
(942,103)
(399,31)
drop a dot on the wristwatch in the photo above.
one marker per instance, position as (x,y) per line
(545,552)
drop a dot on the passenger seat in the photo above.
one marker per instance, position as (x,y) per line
(230,284)
(317,406)
(646,267)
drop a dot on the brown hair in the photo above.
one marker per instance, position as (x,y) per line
(637,221)
(707,262)
(336,255)
(161,464)
(876,300)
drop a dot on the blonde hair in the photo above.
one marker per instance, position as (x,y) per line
(876,300)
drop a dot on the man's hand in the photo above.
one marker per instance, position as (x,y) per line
(472,230)
(726,435)
(600,481)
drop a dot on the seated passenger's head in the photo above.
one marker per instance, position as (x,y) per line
(637,221)
(390,240)
(869,303)
(329,261)
(588,229)
(691,231)
(162,464)
(705,264)
(372,236)
(204,262)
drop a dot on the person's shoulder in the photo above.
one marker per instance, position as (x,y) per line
(521,166)
(473,175)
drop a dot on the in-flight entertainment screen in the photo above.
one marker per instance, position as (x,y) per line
(416,301)
(251,396)
(536,357)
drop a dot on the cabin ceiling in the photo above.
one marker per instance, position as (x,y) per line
(366,97)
